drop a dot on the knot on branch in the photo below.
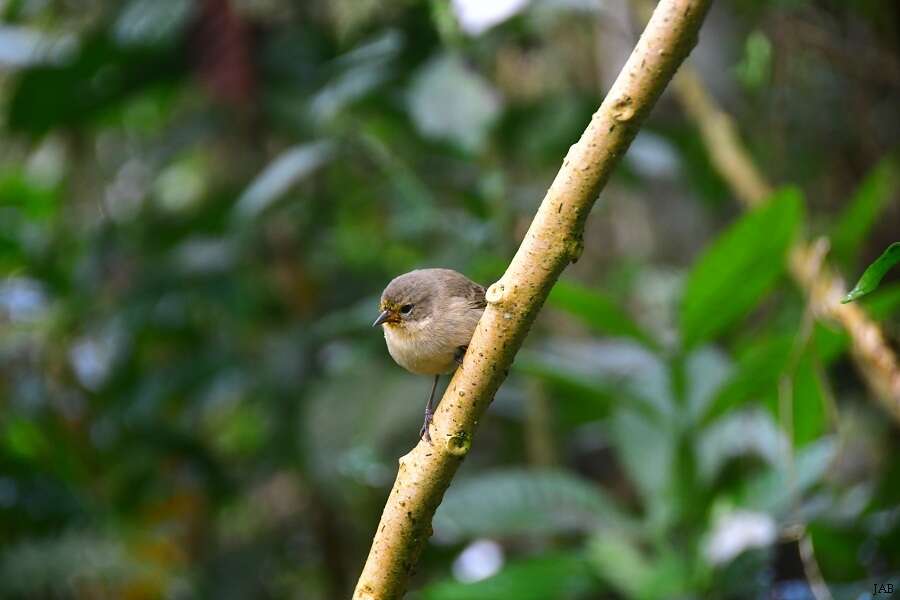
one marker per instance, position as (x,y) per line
(574,248)
(623,109)
(496,294)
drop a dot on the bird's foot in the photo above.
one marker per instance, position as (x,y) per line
(424,434)
(460,354)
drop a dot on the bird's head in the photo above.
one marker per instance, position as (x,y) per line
(407,299)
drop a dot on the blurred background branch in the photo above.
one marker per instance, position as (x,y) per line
(874,357)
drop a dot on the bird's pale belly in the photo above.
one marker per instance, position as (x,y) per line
(421,353)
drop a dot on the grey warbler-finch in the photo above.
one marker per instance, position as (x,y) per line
(428,317)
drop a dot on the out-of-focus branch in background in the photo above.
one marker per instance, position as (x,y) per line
(824,289)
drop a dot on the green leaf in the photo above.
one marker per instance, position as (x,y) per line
(548,577)
(739,268)
(776,490)
(874,273)
(810,417)
(622,564)
(863,210)
(35,201)
(756,374)
(755,67)
(829,342)
(596,310)
(518,502)
(647,449)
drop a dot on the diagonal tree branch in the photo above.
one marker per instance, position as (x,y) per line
(874,358)
(551,243)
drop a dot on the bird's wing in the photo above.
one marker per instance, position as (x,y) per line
(476,296)
(461,286)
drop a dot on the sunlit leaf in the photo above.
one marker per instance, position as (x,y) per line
(739,267)
(874,273)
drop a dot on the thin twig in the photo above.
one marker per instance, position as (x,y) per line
(811,569)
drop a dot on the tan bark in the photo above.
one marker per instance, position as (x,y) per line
(552,242)
(824,289)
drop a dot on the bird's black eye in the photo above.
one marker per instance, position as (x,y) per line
(406,308)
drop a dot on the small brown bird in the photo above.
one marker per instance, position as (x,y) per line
(428,317)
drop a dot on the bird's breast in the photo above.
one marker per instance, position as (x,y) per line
(422,352)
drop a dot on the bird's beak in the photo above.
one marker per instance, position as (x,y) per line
(383,317)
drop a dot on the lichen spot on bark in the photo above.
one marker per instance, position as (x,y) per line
(458,444)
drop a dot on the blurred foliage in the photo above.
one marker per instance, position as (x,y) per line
(200,202)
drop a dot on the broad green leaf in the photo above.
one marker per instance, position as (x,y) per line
(756,379)
(838,548)
(36,202)
(737,434)
(647,449)
(739,268)
(874,273)
(810,416)
(755,375)
(596,310)
(706,370)
(864,208)
(548,577)
(518,502)
(621,563)
(617,369)
(578,399)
